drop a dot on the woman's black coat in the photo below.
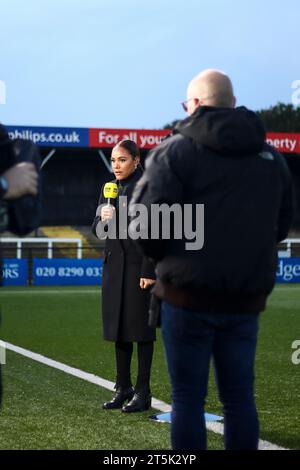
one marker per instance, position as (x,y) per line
(125,305)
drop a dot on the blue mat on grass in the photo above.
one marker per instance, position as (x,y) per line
(166,417)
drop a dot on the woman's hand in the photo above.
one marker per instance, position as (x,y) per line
(107,213)
(145,283)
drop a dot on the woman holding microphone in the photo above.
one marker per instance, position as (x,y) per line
(127,277)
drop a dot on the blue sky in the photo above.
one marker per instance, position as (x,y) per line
(114,63)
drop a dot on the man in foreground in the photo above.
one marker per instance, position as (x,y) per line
(212,296)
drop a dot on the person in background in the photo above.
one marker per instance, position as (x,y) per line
(127,277)
(212,295)
(17,181)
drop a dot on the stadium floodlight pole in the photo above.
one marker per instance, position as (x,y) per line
(50,154)
(103,158)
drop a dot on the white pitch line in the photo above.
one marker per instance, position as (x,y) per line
(94,379)
(218,428)
(215,427)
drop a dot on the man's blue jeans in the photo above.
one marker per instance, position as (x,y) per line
(191,339)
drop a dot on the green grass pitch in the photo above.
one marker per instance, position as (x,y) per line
(44,408)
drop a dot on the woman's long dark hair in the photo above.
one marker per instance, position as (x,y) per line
(130,146)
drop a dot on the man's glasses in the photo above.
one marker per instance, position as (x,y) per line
(184,103)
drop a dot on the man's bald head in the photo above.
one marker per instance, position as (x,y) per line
(210,88)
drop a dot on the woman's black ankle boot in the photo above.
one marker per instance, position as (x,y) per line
(141,401)
(122,394)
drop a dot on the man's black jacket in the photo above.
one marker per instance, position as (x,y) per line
(219,158)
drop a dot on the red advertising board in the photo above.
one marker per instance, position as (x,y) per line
(284,142)
(145,139)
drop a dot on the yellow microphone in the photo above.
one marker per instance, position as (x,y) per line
(110,191)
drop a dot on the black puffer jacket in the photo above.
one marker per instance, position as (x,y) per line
(4,140)
(3,134)
(219,158)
